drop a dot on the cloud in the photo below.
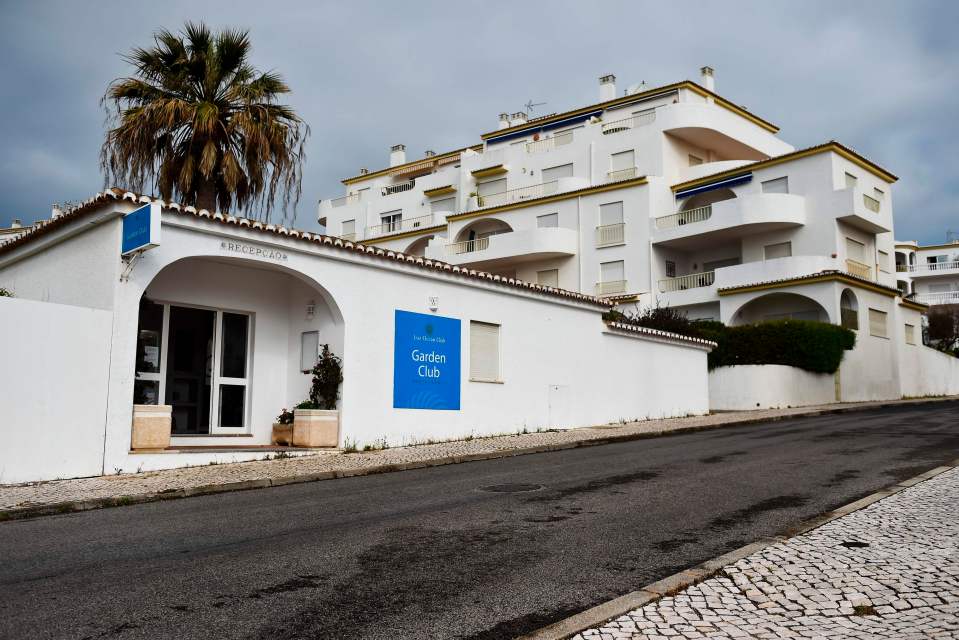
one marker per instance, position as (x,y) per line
(879,76)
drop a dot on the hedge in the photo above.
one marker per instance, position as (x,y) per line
(813,346)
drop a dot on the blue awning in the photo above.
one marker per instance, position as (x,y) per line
(545,127)
(719,184)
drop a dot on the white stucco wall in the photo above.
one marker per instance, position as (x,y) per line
(769,386)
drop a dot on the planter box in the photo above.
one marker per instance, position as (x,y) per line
(316,428)
(151,427)
(282,434)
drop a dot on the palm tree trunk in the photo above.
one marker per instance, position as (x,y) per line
(206,196)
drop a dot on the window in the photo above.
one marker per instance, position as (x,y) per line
(877,323)
(555,173)
(851,181)
(548,221)
(612,271)
(693,160)
(446,205)
(622,160)
(878,194)
(484,352)
(548,277)
(348,228)
(670,269)
(611,213)
(779,185)
(849,310)
(490,187)
(780,250)
(855,250)
(392,220)
(883,261)
(309,350)
(910,334)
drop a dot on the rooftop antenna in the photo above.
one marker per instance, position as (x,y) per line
(532,105)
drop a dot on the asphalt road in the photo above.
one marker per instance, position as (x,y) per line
(463,551)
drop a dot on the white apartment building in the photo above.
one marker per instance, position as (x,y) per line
(929,273)
(672,194)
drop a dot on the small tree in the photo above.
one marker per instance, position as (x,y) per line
(327,378)
(662,318)
(5,293)
(943,329)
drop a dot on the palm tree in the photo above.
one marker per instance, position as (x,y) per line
(204,126)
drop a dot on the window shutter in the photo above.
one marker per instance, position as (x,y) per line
(447,205)
(612,271)
(855,250)
(910,334)
(484,351)
(877,323)
(781,250)
(555,173)
(490,187)
(883,261)
(548,221)
(622,160)
(611,213)
(851,181)
(349,227)
(548,278)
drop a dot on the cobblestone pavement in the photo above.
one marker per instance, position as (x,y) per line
(38,494)
(890,570)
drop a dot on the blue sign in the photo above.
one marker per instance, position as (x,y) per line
(141,229)
(426,362)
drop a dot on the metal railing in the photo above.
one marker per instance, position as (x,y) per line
(467,246)
(515,195)
(347,199)
(404,224)
(611,287)
(928,266)
(610,234)
(632,122)
(621,174)
(870,203)
(691,281)
(944,297)
(858,269)
(548,144)
(399,188)
(699,214)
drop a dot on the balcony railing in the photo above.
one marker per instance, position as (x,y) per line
(610,234)
(610,288)
(345,200)
(859,269)
(928,266)
(405,224)
(467,246)
(515,195)
(944,297)
(631,122)
(698,214)
(549,144)
(621,174)
(691,281)
(870,203)
(399,188)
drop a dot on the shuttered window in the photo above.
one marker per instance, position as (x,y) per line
(446,205)
(883,261)
(611,213)
(622,160)
(484,351)
(851,181)
(780,250)
(555,173)
(349,227)
(779,185)
(877,323)
(612,271)
(855,250)
(548,277)
(910,334)
(490,187)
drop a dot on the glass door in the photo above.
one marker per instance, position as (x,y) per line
(232,379)
(189,368)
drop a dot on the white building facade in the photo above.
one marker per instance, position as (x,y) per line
(930,274)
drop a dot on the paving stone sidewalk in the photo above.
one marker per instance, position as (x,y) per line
(143,486)
(890,570)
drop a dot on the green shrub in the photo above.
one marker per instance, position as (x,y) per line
(813,346)
(661,318)
(5,293)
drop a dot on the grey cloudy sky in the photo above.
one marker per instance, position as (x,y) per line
(879,76)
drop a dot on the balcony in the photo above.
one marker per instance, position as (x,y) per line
(691,281)
(945,297)
(630,123)
(400,226)
(611,288)
(351,198)
(930,268)
(859,210)
(858,269)
(549,144)
(500,250)
(729,220)
(517,195)
(622,174)
(390,189)
(609,235)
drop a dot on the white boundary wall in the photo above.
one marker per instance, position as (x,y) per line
(751,386)
(54,376)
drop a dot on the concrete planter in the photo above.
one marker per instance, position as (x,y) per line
(151,427)
(316,428)
(282,434)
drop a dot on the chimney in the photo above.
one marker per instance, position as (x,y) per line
(708,81)
(397,155)
(56,212)
(17,224)
(364,171)
(517,118)
(607,87)
(503,121)
(429,153)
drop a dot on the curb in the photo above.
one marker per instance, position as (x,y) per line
(74,506)
(670,585)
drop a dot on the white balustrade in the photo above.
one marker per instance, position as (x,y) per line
(691,281)
(699,214)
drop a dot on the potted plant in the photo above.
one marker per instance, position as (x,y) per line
(316,422)
(151,427)
(283,428)
(475,201)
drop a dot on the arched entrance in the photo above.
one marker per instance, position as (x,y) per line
(483,228)
(779,306)
(418,247)
(226,341)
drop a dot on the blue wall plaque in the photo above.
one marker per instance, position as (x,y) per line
(426,362)
(141,229)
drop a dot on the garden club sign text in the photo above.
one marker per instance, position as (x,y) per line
(254,251)
(426,362)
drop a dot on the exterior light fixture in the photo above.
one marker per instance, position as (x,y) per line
(310,310)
